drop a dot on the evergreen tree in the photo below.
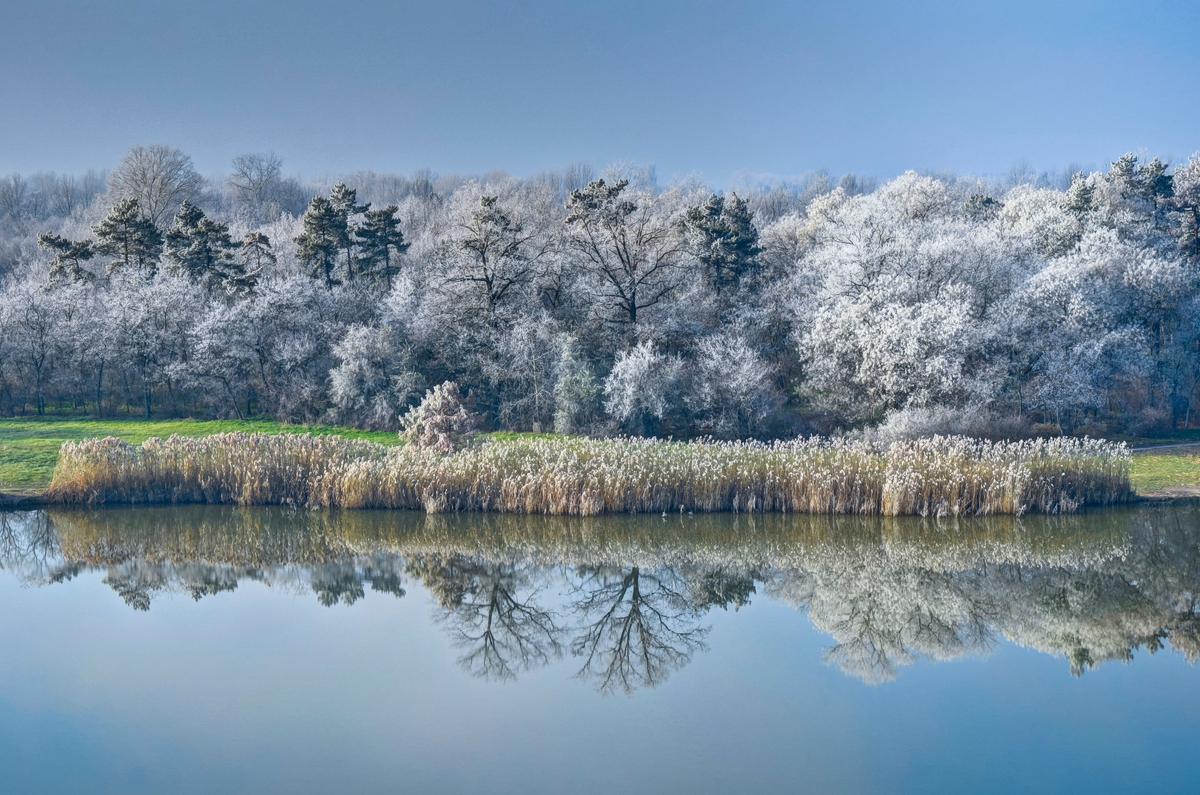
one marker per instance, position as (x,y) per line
(321,240)
(377,237)
(256,256)
(202,249)
(723,237)
(130,237)
(69,256)
(981,207)
(1081,196)
(345,202)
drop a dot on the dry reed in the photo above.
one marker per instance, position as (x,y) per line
(938,476)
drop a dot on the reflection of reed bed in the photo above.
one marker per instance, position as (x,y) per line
(942,476)
(271,536)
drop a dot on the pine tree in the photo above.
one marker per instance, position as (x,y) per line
(321,240)
(377,237)
(982,207)
(69,256)
(256,256)
(130,237)
(345,202)
(1081,195)
(723,237)
(202,249)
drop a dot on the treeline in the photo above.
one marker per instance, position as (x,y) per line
(606,303)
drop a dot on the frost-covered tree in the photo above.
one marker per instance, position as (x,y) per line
(489,256)
(576,391)
(261,192)
(643,388)
(373,380)
(440,422)
(256,256)
(732,394)
(632,250)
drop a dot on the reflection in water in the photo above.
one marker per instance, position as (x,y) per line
(637,626)
(626,598)
(492,613)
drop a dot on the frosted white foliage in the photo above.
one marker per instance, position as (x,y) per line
(643,384)
(1049,300)
(733,392)
(440,423)
(372,382)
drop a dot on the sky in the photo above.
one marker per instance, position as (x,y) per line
(717,90)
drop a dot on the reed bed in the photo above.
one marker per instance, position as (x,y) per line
(938,476)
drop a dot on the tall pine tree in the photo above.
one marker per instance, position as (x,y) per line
(345,202)
(723,237)
(69,256)
(321,240)
(256,256)
(378,237)
(202,249)
(130,237)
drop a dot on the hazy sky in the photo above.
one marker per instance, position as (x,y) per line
(711,88)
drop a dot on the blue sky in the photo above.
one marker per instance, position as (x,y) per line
(714,89)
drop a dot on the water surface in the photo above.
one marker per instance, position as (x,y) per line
(208,649)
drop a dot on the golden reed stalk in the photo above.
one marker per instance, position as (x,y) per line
(938,476)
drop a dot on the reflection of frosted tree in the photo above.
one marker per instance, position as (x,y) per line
(337,583)
(884,613)
(207,580)
(718,587)
(384,572)
(639,627)
(492,614)
(135,580)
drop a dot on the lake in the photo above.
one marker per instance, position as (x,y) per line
(216,649)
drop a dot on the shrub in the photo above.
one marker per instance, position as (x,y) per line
(918,423)
(440,422)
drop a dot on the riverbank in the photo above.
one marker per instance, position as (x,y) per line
(1164,469)
(29,446)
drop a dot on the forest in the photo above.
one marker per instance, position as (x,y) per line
(603,303)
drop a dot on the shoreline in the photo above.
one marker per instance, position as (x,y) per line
(16,501)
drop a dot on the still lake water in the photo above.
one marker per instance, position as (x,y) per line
(206,649)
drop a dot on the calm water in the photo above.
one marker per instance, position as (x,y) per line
(225,650)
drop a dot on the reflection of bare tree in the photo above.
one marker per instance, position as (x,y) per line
(492,614)
(640,627)
(28,545)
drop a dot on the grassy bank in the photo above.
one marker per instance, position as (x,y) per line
(29,446)
(941,476)
(1171,471)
